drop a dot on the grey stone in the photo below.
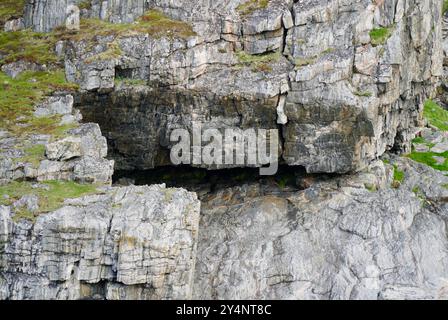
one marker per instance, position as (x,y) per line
(130,243)
(14,25)
(14,69)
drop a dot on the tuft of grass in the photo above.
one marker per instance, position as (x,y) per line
(251,6)
(86,4)
(367,94)
(418,140)
(34,155)
(10,9)
(19,96)
(153,22)
(302,62)
(258,62)
(379,36)
(398,177)
(113,52)
(436,115)
(27,45)
(49,200)
(445,6)
(427,158)
(284,180)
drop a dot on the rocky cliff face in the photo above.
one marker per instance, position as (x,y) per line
(128,243)
(344,82)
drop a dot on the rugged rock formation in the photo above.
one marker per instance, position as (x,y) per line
(128,243)
(344,82)
(77,156)
(334,240)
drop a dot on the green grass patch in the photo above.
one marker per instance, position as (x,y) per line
(445,6)
(436,115)
(113,52)
(19,96)
(379,36)
(34,155)
(29,46)
(153,22)
(49,200)
(258,62)
(10,9)
(302,62)
(427,158)
(85,5)
(419,140)
(366,94)
(370,187)
(250,6)
(398,177)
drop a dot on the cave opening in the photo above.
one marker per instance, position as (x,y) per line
(288,179)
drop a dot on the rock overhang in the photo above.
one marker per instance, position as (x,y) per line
(340,94)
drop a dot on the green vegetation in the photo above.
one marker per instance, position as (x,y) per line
(86,4)
(28,46)
(113,52)
(258,62)
(34,155)
(398,177)
(10,9)
(419,194)
(419,140)
(285,179)
(379,36)
(436,115)
(302,62)
(19,96)
(445,6)
(51,195)
(428,159)
(363,93)
(153,22)
(250,6)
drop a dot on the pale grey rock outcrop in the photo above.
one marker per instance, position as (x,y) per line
(340,97)
(14,25)
(126,243)
(78,155)
(334,240)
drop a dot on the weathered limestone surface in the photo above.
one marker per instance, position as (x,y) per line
(339,97)
(334,240)
(77,156)
(128,243)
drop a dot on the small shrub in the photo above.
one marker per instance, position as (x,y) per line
(379,36)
